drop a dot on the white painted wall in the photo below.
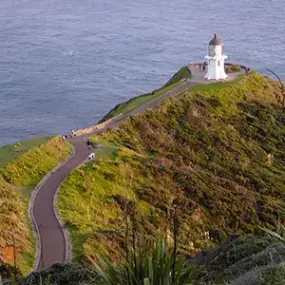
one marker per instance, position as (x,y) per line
(216,63)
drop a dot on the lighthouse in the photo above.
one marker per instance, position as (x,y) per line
(216,60)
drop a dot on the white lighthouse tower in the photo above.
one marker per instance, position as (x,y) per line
(216,60)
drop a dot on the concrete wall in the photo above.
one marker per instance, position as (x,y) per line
(98,127)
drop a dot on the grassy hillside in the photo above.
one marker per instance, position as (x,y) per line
(182,74)
(29,168)
(12,151)
(206,148)
(18,178)
(12,218)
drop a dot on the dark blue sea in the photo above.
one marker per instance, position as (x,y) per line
(65,63)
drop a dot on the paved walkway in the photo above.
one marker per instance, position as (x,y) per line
(51,236)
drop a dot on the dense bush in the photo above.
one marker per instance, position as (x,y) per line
(243,260)
(59,274)
(8,271)
(232,68)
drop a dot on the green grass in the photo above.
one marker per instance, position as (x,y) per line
(215,86)
(183,73)
(140,100)
(12,216)
(208,147)
(133,103)
(210,87)
(26,259)
(104,149)
(12,151)
(99,190)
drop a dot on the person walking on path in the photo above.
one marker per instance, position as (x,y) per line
(89,144)
(204,65)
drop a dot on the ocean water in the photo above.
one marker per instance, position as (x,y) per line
(64,64)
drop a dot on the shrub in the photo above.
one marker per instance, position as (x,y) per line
(60,274)
(232,68)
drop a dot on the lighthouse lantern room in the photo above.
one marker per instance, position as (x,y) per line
(216,60)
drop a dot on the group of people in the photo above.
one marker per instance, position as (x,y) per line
(73,134)
(91,156)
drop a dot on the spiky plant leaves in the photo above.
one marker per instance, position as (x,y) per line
(275,234)
(152,267)
(109,273)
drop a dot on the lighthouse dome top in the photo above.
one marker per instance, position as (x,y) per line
(216,41)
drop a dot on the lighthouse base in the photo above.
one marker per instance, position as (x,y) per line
(216,68)
(215,77)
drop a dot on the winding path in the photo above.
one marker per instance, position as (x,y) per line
(52,244)
(52,239)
